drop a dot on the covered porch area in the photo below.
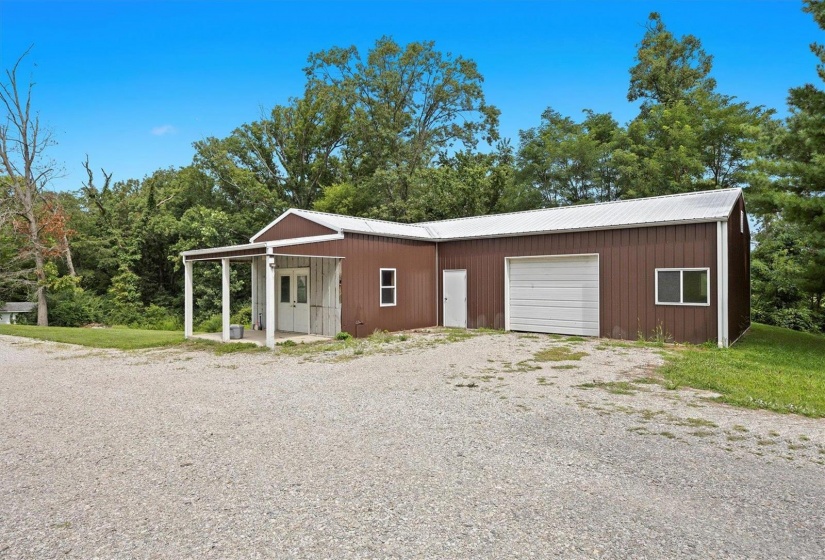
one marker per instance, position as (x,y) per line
(293,296)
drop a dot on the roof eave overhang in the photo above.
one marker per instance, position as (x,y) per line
(704,220)
(393,235)
(224,249)
(265,247)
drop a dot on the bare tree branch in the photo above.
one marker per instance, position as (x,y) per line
(22,144)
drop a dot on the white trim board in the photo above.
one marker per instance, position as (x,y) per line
(266,246)
(225,248)
(722,336)
(305,240)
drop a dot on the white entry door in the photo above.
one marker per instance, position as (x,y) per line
(455,298)
(293,300)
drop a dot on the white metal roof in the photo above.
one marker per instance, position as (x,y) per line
(364,225)
(703,206)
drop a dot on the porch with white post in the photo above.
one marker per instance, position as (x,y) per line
(187,299)
(269,290)
(309,281)
(226,310)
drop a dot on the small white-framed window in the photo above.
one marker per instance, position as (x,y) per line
(388,287)
(741,221)
(682,286)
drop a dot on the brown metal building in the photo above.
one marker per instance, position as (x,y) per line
(674,266)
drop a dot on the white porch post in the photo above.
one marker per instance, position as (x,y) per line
(269,290)
(225,299)
(187,298)
(254,290)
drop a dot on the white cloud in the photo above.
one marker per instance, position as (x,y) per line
(164,129)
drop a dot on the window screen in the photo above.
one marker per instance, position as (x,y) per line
(682,287)
(387,286)
(669,286)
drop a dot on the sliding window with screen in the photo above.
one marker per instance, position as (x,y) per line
(682,286)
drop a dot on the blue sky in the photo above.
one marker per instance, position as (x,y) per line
(134,83)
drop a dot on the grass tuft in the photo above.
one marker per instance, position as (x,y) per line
(220,348)
(614,387)
(575,339)
(558,354)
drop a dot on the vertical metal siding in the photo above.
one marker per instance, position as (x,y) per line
(739,273)
(364,256)
(628,260)
(292,227)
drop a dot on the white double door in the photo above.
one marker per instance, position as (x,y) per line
(292,288)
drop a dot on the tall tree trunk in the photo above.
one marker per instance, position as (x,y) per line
(42,306)
(67,251)
(39,261)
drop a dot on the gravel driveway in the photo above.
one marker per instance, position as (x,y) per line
(416,449)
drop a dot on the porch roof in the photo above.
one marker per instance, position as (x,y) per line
(249,250)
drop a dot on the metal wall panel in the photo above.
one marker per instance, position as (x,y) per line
(364,256)
(739,272)
(293,227)
(627,258)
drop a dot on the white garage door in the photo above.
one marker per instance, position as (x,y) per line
(554,294)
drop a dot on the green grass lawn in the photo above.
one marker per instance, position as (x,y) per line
(773,368)
(121,338)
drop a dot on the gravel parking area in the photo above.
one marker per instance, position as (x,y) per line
(414,449)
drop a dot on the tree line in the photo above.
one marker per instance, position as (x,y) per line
(405,133)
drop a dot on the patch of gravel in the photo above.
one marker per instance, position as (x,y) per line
(415,449)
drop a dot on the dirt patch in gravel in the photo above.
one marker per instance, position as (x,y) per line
(439,445)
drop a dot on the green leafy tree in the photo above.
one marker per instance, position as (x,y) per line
(687,136)
(668,69)
(245,186)
(407,104)
(283,161)
(108,229)
(796,195)
(784,292)
(569,162)
(124,297)
(208,227)
(467,184)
